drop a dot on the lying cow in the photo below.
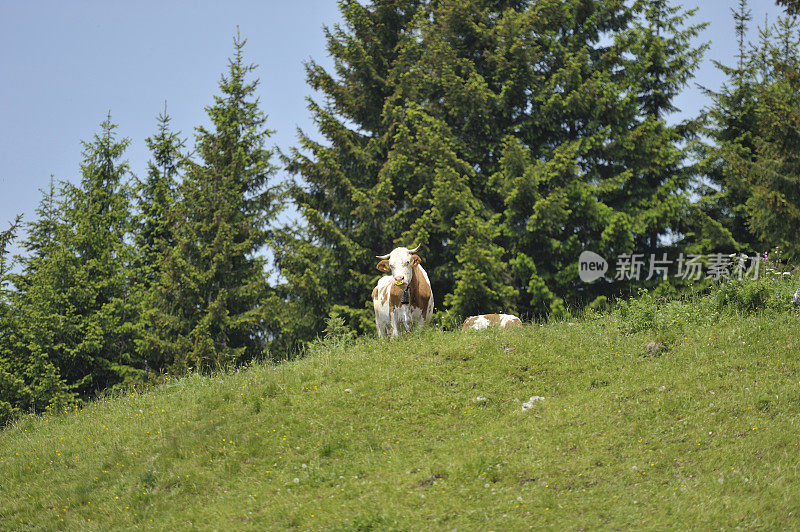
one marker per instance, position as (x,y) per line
(502,321)
(404,299)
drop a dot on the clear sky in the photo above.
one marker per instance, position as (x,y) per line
(64,65)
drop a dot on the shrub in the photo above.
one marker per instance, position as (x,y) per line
(742,295)
(337,332)
(448,320)
(670,312)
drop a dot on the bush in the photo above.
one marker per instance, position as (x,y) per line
(599,304)
(337,333)
(639,313)
(448,320)
(742,295)
(671,312)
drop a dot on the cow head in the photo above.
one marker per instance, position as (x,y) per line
(400,264)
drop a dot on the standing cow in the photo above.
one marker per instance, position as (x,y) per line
(404,299)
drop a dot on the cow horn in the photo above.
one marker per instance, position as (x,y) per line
(383,257)
(415,249)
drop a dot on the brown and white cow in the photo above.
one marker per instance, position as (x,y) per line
(502,321)
(403,300)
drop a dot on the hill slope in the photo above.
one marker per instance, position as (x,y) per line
(703,431)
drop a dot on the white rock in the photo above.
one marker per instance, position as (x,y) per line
(529,404)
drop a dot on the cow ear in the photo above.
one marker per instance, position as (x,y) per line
(415,259)
(383,266)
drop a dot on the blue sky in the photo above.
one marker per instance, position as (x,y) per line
(64,65)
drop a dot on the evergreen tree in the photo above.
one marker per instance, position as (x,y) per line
(451,108)
(751,202)
(721,221)
(654,151)
(156,197)
(74,293)
(11,386)
(154,234)
(608,173)
(213,300)
(29,379)
(6,238)
(774,174)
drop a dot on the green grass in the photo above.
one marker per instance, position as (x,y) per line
(703,433)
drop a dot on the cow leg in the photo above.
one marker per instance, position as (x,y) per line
(383,328)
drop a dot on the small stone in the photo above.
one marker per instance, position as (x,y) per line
(653,349)
(529,404)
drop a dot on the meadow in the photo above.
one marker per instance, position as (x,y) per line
(666,412)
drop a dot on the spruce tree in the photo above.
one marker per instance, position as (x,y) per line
(720,221)
(752,203)
(774,174)
(213,298)
(11,385)
(664,59)
(74,292)
(156,197)
(154,237)
(33,382)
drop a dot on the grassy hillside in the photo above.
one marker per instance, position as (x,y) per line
(699,429)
